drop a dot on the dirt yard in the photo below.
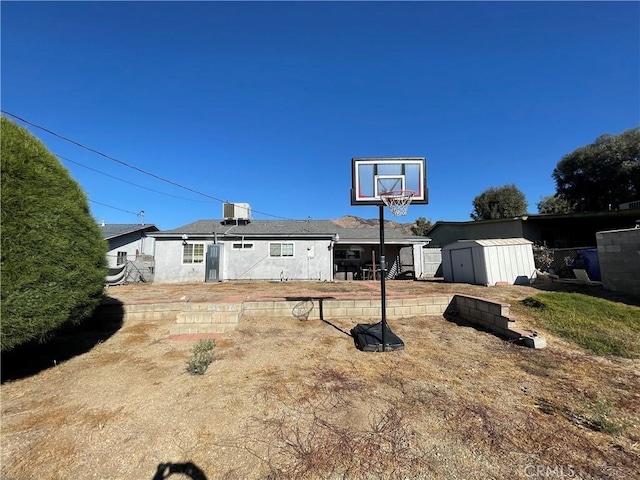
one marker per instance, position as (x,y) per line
(285,398)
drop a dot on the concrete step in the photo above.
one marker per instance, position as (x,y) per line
(187,318)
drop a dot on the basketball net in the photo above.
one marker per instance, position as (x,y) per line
(398,201)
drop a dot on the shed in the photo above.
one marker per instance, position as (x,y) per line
(489,262)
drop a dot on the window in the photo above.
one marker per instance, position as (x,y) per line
(122,258)
(242,246)
(193,253)
(281,249)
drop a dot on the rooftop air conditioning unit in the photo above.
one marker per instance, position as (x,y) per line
(236,211)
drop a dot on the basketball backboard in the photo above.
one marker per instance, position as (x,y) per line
(372,176)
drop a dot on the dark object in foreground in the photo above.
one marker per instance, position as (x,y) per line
(368,338)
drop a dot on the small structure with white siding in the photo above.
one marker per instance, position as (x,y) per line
(489,262)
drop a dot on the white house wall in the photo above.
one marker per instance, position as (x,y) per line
(312,260)
(169,266)
(131,244)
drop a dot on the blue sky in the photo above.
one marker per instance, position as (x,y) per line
(266,103)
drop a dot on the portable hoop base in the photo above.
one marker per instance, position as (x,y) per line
(368,338)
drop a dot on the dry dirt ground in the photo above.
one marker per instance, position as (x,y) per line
(285,398)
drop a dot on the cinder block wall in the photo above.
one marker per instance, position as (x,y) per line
(315,308)
(492,316)
(619,258)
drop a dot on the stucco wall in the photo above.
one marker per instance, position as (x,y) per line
(311,261)
(129,243)
(619,258)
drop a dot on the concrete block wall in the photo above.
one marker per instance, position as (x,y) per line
(194,318)
(492,316)
(619,258)
(316,308)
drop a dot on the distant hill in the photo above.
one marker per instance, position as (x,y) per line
(349,221)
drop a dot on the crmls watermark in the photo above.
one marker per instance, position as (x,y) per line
(546,471)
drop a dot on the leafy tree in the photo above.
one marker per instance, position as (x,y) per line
(53,256)
(421,227)
(555,204)
(499,202)
(602,174)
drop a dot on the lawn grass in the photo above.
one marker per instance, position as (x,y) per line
(601,326)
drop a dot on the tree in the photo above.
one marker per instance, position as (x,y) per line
(499,202)
(603,174)
(53,259)
(421,227)
(555,204)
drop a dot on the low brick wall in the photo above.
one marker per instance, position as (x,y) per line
(492,316)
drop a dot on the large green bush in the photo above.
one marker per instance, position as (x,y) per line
(53,254)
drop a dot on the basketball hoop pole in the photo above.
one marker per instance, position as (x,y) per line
(383,274)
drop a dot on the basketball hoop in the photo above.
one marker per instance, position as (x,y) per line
(398,201)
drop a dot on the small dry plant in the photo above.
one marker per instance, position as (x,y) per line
(201,357)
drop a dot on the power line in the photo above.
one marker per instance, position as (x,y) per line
(108,157)
(115,208)
(126,181)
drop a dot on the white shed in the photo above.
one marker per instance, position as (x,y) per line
(489,262)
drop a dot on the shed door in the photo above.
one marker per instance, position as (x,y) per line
(214,263)
(462,266)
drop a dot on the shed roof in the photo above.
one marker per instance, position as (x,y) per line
(489,242)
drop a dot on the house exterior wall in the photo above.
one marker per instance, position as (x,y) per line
(132,243)
(311,260)
(169,266)
(619,258)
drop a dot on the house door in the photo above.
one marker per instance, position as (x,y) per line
(213,266)
(462,266)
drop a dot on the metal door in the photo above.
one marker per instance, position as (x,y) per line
(462,266)
(213,267)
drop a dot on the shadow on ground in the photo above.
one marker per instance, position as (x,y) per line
(64,344)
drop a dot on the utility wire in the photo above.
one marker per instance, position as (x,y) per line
(115,208)
(130,183)
(157,177)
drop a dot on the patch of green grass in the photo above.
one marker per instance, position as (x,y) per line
(602,326)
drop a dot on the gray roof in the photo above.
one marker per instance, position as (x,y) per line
(119,229)
(289,228)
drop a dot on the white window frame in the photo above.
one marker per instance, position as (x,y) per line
(281,245)
(242,246)
(189,258)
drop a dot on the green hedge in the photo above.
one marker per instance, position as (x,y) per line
(53,254)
